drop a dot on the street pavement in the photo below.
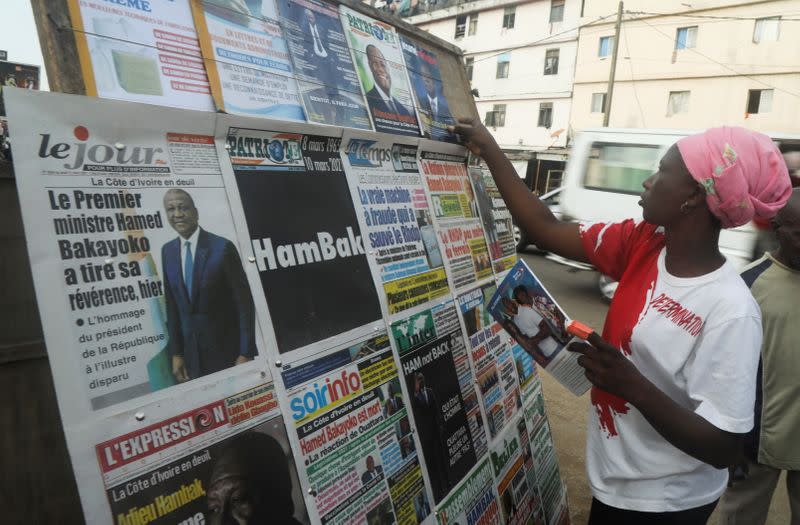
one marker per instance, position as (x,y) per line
(577,293)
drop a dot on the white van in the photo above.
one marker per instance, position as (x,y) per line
(604,175)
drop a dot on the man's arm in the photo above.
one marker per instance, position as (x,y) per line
(543,333)
(609,370)
(243,300)
(530,214)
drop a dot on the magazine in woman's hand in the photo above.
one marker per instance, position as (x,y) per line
(527,311)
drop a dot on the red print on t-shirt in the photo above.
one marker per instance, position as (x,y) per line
(678,314)
(627,252)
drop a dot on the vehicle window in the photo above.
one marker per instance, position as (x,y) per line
(620,167)
(552,200)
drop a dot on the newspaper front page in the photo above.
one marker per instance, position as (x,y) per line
(455,214)
(494,363)
(496,220)
(474,502)
(141,52)
(513,465)
(547,476)
(307,261)
(390,199)
(136,266)
(354,434)
(329,86)
(440,387)
(179,469)
(247,59)
(426,81)
(378,58)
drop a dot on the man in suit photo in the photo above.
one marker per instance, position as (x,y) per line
(431,428)
(380,96)
(210,311)
(317,33)
(372,472)
(433,101)
(394,399)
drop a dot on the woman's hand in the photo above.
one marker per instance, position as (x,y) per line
(608,369)
(474,134)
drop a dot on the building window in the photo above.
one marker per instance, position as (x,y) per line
(606,46)
(759,101)
(503,64)
(551,62)
(686,37)
(496,118)
(598,102)
(461,25)
(678,102)
(473,24)
(767,29)
(509,14)
(545,115)
(556,11)
(469,63)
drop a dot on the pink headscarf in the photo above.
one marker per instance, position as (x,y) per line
(742,171)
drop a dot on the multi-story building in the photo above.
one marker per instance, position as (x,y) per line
(691,64)
(520,58)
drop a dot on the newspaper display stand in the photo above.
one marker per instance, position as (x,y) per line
(269,299)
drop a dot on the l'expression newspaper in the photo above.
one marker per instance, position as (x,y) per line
(532,317)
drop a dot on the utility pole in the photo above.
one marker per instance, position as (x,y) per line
(612,73)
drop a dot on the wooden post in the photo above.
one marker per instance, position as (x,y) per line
(58,46)
(38,475)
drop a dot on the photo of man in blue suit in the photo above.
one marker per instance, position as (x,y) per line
(210,312)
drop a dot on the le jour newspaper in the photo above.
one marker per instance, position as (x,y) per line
(527,311)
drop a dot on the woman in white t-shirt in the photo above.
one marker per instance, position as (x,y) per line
(674,373)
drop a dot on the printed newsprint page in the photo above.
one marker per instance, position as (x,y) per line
(303,232)
(395,219)
(157,359)
(440,387)
(327,79)
(141,52)
(529,313)
(494,363)
(496,220)
(378,58)
(455,213)
(352,428)
(191,461)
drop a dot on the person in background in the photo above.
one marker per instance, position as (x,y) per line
(674,373)
(792,159)
(771,446)
(765,236)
